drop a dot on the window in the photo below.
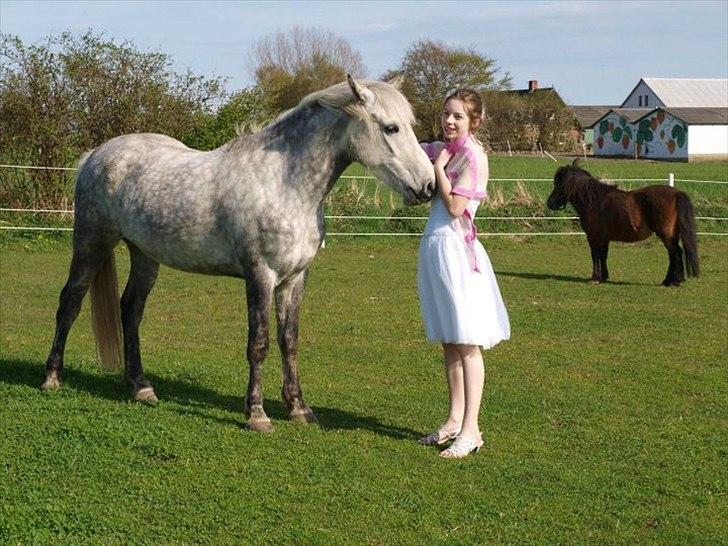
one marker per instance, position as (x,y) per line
(646,97)
(640,97)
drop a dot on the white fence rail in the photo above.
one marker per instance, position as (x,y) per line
(670,179)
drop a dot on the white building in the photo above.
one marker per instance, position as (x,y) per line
(667,118)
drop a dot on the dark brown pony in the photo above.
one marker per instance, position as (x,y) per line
(610,214)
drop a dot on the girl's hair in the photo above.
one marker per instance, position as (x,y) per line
(472,103)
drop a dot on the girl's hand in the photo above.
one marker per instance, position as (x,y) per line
(442,158)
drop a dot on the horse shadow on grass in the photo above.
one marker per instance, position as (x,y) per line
(189,398)
(560,278)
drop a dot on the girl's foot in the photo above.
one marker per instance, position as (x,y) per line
(439,436)
(462,447)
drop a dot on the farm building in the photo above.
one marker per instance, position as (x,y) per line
(661,118)
(585,117)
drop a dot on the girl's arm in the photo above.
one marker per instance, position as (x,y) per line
(455,204)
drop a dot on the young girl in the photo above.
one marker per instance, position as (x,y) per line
(461,304)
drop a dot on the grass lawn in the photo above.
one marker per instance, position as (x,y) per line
(605,417)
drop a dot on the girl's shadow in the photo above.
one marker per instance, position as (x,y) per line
(190,398)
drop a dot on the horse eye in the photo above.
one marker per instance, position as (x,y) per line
(391,129)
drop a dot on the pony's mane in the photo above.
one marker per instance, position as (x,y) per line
(581,187)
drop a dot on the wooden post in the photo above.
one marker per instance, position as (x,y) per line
(510,153)
(671,180)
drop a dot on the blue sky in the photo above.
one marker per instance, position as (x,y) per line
(592,52)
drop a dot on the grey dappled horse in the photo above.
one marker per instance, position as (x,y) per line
(252,209)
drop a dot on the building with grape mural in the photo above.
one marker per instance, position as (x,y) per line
(680,119)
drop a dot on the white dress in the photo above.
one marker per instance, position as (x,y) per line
(459,296)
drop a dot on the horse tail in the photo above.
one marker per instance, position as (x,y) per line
(106,315)
(688,235)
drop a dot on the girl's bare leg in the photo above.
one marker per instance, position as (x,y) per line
(473,371)
(456,386)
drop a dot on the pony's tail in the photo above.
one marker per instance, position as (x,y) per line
(688,235)
(106,315)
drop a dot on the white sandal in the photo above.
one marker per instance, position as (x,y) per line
(462,447)
(439,437)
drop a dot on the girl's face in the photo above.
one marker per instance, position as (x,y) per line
(455,120)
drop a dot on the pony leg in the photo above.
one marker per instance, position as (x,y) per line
(142,276)
(288,301)
(596,255)
(675,270)
(604,252)
(259,289)
(84,265)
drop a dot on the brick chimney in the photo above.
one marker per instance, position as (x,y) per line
(532,85)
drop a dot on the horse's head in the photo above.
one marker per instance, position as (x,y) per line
(381,138)
(565,180)
(559,196)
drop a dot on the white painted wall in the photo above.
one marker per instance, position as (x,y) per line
(707,140)
(632,101)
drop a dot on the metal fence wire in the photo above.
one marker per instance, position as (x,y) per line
(670,180)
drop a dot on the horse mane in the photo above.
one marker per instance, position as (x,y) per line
(581,187)
(339,99)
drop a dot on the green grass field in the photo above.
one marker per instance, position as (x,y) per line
(605,417)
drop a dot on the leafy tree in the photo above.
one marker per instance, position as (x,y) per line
(524,121)
(432,70)
(289,66)
(70,93)
(246,111)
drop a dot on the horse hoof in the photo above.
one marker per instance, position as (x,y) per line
(303,416)
(146,395)
(51,383)
(258,420)
(260,425)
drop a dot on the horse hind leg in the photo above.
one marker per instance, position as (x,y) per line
(86,262)
(288,302)
(676,269)
(142,276)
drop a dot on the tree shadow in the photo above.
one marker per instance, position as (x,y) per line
(561,278)
(189,398)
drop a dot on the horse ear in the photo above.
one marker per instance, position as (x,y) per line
(363,96)
(396,81)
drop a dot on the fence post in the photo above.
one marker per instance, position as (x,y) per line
(671,180)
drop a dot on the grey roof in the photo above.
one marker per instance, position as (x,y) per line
(698,116)
(689,92)
(630,114)
(538,91)
(691,116)
(588,115)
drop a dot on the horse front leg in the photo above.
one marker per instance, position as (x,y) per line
(603,261)
(259,289)
(596,256)
(288,302)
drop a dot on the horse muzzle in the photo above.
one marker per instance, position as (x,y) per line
(428,191)
(555,205)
